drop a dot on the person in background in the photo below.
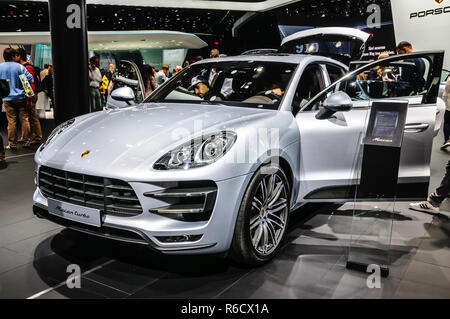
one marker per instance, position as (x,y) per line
(435,200)
(178,68)
(44,72)
(148,74)
(214,53)
(103,87)
(15,103)
(2,154)
(47,83)
(4,91)
(446,98)
(161,76)
(413,76)
(378,73)
(202,89)
(109,76)
(95,80)
(31,101)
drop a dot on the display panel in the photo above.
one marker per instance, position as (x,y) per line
(385,124)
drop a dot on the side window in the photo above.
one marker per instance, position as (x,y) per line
(311,83)
(335,72)
(391,79)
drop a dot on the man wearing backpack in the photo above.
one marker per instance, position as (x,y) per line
(31,102)
(15,102)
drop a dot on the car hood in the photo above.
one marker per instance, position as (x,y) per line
(136,137)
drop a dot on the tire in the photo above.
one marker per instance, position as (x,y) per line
(265,225)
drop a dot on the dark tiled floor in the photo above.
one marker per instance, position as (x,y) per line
(35,254)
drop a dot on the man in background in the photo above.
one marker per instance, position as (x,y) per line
(95,79)
(214,53)
(435,199)
(162,75)
(15,103)
(31,101)
(446,98)
(409,75)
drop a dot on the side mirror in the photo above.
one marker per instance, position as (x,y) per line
(336,102)
(124,94)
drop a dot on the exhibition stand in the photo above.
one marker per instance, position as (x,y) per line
(372,222)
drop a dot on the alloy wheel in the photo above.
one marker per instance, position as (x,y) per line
(269,214)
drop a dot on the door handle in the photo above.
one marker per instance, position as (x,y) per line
(416,128)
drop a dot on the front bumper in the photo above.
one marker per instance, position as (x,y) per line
(147,227)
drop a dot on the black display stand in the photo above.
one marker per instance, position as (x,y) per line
(381,160)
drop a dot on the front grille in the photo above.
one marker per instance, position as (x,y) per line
(110,196)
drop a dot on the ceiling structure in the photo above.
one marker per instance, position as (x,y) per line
(229,30)
(13,14)
(116,40)
(236,5)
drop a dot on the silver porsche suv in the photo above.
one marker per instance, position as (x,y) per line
(215,159)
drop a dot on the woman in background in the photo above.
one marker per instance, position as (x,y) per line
(47,83)
(148,73)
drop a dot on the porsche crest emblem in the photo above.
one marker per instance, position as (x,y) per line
(85,153)
(439,1)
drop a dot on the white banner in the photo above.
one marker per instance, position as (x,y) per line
(423,23)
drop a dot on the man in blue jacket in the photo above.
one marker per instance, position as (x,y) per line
(15,103)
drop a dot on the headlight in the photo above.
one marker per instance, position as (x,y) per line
(59,129)
(198,152)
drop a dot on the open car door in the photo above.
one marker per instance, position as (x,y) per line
(331,146)
(342,44)
(127,75)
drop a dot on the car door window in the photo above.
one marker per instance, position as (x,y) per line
(412,78)
(334,72)
(311,83)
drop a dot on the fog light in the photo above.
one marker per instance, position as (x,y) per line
(179,239)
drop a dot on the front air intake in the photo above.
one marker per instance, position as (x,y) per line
(187,201)
(110,196)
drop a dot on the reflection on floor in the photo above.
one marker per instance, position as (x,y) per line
(35,254)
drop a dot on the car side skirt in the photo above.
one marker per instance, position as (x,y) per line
(405,192)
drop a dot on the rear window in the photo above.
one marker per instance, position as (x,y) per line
(337,47)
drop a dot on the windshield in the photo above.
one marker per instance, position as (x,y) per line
(236,83)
